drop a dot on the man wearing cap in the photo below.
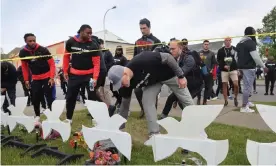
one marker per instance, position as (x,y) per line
(228,68)
(149,70)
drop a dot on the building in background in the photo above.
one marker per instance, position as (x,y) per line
(112,41)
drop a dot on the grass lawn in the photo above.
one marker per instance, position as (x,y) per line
(141,154)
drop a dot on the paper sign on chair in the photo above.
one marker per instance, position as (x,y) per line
(263,153)
(18,117)
(106,128)
(53,121)
(187,134)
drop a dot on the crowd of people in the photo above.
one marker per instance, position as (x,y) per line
(87,64)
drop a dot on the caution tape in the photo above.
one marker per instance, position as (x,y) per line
(80,52)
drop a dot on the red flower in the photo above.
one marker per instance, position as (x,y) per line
(72,143)
(91,155)
(115,157)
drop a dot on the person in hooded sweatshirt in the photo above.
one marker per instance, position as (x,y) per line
(270,77)
(147,42)
(8,84)
(85,67)
(43,71)
(121,60)
(247,60)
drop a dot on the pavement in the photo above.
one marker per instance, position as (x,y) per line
(229,115)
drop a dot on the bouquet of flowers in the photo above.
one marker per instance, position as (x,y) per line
(78,140)
(228,61)
(103,154)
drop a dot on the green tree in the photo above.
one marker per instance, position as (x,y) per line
(269,26)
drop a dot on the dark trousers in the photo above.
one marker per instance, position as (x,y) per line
(12,95)
(208,82)
(239,82)
(254,85)
(39,89)
(64,86)
(269,79)
(27,92)
(116,95)
(172,98)
(74,85)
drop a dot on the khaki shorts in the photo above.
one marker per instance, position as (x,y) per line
(232,74)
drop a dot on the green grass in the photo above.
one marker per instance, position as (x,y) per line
(141,154)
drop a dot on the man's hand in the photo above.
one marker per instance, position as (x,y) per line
(51,82)
(226,67)
(95,83)
(265,69)
(182,82)
(66,77)
(27,84)
(3,90)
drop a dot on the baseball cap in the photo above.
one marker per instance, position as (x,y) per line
(115,75)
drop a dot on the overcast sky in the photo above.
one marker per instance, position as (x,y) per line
(54,20)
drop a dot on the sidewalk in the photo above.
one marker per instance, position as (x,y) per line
(227,116)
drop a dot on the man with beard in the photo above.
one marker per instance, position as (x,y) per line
(84,69)
(146,43)
(121,60)
(209,59)
(149,70)
(189,61)
(248,58)
(42,70)
(8,84)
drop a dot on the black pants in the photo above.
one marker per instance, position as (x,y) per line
(64,86)
(269,79)
(254,85)
(239,82)
(27,92)
(39,89)
(172,98)
(74,85)
(208,82)
(116,95)
(12,95)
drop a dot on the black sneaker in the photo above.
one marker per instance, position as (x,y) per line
(266,94)
(111,110)
(225,103)
(271,93)
(162,116)
(236,103)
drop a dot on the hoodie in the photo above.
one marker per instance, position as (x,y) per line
(85,57)
(145,43)
(247,55)
(8,75)
(120,59)
(41,68)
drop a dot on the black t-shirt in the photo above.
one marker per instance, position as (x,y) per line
(148,69)
(245,60)
(227,52)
